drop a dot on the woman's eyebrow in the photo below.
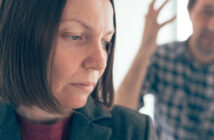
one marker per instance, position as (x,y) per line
(82,23)
(86,26)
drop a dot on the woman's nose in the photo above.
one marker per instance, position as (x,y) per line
(96,56)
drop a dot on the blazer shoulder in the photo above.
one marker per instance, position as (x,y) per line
(128,124)
(131,117)
(7,113)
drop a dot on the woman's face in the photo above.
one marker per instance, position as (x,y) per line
(80,59)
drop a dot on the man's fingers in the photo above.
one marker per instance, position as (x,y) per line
(152,4)
(161,7)
(168,21)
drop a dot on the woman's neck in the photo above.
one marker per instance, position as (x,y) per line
(37,115)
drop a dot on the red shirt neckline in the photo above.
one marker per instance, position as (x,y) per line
(34,131)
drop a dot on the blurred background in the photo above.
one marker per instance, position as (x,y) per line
(130,25)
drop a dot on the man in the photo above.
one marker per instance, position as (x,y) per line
(179,74)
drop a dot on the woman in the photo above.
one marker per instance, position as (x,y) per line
(56,73)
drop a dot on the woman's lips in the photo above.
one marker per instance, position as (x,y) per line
(88,87)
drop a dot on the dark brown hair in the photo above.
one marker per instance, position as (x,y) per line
(191,4)
(27,32)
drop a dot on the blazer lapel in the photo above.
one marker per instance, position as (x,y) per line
(84,129)
(83,126)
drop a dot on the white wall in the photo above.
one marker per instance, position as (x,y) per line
(184,26)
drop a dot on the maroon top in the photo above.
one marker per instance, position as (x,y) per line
(56,131)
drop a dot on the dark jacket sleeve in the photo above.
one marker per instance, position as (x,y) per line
(127,124)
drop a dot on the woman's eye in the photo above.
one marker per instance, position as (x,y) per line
(107,45)
(76,37)
(72,37)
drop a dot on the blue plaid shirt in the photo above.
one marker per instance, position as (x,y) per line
(184,94)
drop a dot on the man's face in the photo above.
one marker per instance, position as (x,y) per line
(202,40)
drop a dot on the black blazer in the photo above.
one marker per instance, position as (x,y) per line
(92,122)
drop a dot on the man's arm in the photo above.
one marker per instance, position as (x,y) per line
(128,92)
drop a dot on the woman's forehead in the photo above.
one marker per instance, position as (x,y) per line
(94,13)
(88,8)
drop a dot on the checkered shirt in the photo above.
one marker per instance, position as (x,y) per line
(184,94)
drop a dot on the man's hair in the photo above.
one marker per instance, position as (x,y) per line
(28,29)
(191,4)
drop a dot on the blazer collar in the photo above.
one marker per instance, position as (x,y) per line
(83,126)
(94,110)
